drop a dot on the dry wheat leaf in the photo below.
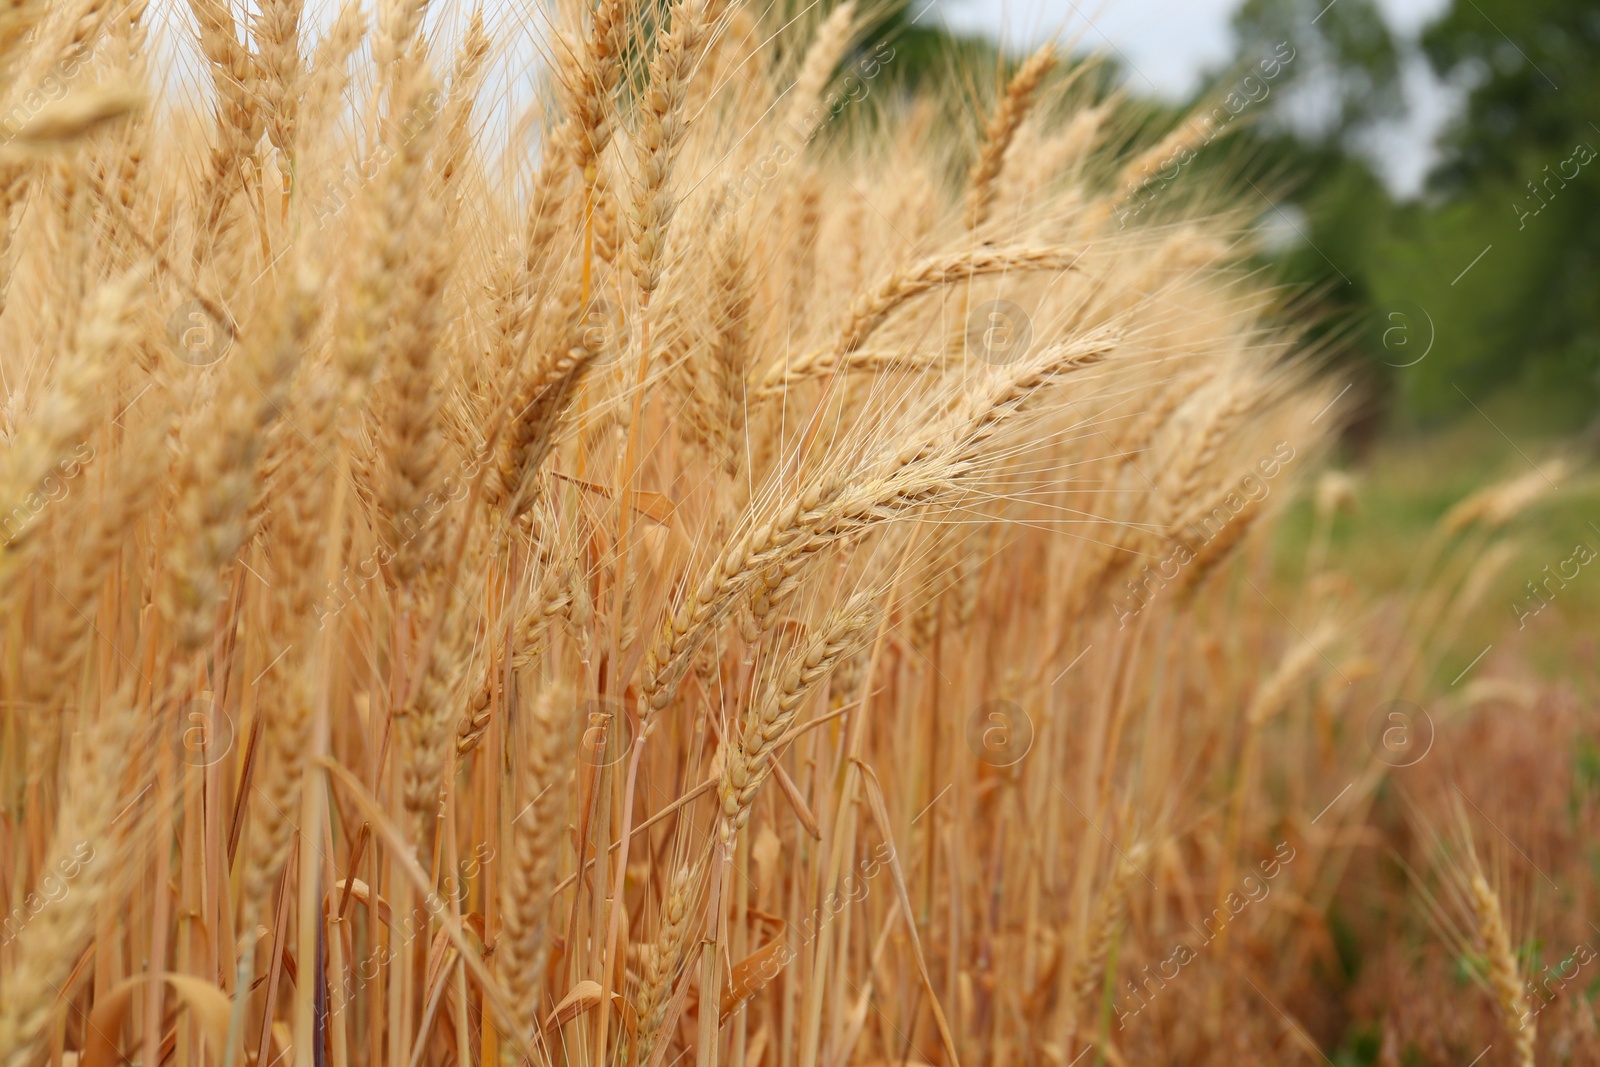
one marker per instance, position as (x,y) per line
(582,998)
(208,1004)
(750,975)
(362,892)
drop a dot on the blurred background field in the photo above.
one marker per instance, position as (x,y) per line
(1407,480)
(1425,174)
(1425,168)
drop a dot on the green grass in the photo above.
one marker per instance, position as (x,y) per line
(1409,480)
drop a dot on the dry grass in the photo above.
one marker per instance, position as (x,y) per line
(683,573)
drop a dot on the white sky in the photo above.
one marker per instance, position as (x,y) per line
(1167,45)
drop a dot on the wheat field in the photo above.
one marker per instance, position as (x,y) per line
(726,562)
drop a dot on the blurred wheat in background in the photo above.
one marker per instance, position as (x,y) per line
(722,566)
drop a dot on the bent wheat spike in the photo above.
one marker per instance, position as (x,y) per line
(1019,97)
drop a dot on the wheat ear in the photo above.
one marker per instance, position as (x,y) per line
(17,20)
(661,966)
(540,408)
(932,467)
(1110,909)
(66,413)
(425,719)
(456,119)
(535,835)
(64,622)
(410,433)
(1014,106)
(277,28)
(219,479)
(1504,975)
(660,133)
(234,74)
(325,82)
(766,721)
(872,309)
(591,87)
(716,402)
(49,947)
(298,531)
(828,46)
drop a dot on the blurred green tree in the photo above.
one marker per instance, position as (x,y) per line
(1520,169)
(1493,272)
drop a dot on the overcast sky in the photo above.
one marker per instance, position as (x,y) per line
(1167,45)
